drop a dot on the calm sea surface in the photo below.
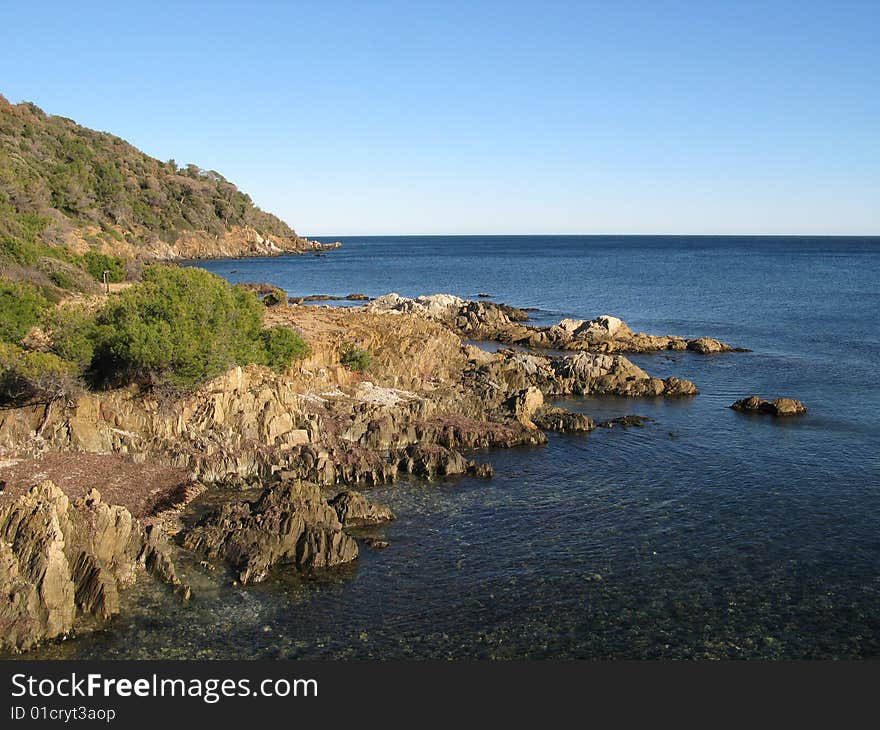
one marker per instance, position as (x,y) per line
(706,534)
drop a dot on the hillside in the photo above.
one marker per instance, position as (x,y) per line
(66,190)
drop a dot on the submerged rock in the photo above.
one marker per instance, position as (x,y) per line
(625,421)
(777,407)
(288,523)
(63,560)
(354,510)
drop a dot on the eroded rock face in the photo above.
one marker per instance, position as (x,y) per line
(777,407)
(355,510)
(290,523)
(62,560)
(525,403)
(554,418)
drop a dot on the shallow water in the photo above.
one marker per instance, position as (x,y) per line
(707,533)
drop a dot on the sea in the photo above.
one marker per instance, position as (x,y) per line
(705,534)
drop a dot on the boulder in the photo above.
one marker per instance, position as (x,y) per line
(777,407)
(707,346)
(354,510)
(525,403)
(553,418)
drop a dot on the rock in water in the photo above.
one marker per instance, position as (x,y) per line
(708,346)
(524,404)
(61,559)
(625,421)
(288,523)
(354,510)
(777,407)
(554,418)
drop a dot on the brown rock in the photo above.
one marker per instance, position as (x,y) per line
(289,523)
(354,510)
(777,407)
(553,418)
(707,346)
(62,559)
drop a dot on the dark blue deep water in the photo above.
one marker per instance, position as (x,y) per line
(705,534)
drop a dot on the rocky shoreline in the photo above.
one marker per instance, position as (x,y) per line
(425,404)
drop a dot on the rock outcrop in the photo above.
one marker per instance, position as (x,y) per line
(290,523)
(425,399)
(554,418)
(777,407)
(355,510)
(62,562)
(481,320)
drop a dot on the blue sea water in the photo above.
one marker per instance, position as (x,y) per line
(707,533)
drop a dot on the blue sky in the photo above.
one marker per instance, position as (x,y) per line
(485,117)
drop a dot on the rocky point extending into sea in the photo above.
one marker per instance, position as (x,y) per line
(308,438)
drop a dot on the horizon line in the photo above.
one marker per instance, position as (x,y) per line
(593,235)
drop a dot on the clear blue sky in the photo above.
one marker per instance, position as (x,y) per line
(485,117)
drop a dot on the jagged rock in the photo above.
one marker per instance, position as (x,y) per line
(524,404)
(554,418)
(430,460)
(330,427)
(625,422)
(289,523)
(376,543)
(587,373)
(60,560)
(501,323)
(777,407)
(354,510)
(481,471)
(708,346)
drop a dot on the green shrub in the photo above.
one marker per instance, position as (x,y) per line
(355,358)
(73,331)
(21,305)
(282,346)
(62,279)
(97,263)
(274,297)
(179,324)
(27,377)
(17,251)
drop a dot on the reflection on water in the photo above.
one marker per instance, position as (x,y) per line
(707,533)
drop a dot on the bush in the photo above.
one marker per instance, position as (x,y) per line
(275,296)
(182,325)
(355,358)
(18,251)
(73,332)
(28,377)
(97,263)
(62,279)
(282,346)
(21,305)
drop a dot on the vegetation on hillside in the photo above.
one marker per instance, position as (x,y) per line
(76,203)
(77,207)
(178,327)
(55,174)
